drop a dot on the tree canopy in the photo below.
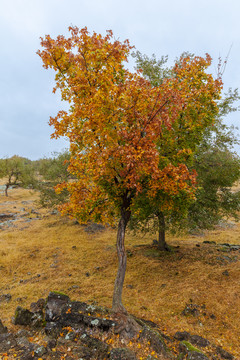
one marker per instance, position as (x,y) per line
(126,136)
(17,171)
(214,160)
(53,171)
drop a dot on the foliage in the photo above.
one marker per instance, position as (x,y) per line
(126,136)
(53,171)
(18,171)
(218,170)
(155,71)
(216,164)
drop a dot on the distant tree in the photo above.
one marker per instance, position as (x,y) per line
(115,126)
(18,172)
(214,160)
(53,171)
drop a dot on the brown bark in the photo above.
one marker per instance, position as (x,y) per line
(127,326)
(162,245)
(117,305)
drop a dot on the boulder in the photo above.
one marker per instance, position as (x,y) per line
(26,317)
(23,316)
(155,340)
(55,303)
(224,354)
(3,329)
(75,320)
(194,355)
(38,306)
(199,341)
(83,352)
(74,325)
(53,329)
(99,348)
(122,354)
(7,342)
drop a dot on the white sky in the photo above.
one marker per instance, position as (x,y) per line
(160,27)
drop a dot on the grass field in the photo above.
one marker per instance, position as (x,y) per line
(51,252)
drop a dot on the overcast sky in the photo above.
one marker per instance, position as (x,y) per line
(153,26)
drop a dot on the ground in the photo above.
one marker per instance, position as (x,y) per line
(194,288)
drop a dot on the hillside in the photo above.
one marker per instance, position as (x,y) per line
(193,288)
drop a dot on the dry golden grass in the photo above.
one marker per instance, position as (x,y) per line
(54,253)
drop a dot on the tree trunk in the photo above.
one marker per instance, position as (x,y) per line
(127,325)
(117,305)
(162,245)
(6,189)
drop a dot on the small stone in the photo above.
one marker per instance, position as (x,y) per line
(212,316)
(5,297)
(182,335)
(20,299)
(225,273)
(51,344)
(70,336)
(191,309)
(92,228)
(129,253)
(130,286)
(41,350)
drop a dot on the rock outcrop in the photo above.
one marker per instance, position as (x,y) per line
(58,328)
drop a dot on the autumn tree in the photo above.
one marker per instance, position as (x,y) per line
(115,124)
(212,157)
(17,171)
